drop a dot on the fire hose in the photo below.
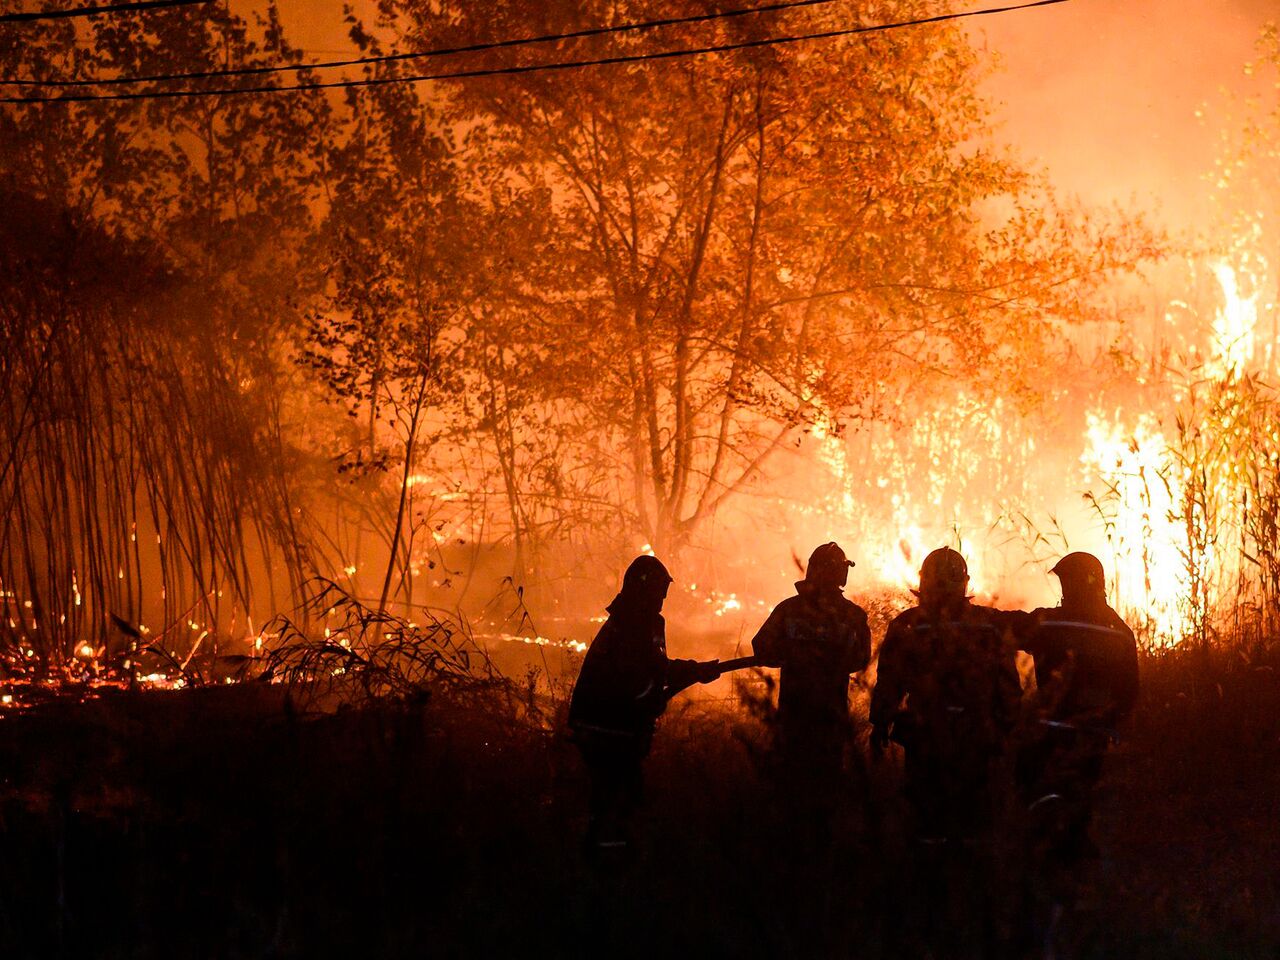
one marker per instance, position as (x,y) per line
(722,667)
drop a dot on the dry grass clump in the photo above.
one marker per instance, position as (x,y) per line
(365,656)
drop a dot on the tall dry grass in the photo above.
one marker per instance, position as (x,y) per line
(140,474)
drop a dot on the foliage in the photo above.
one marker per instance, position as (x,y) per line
(384,338)
(1210,498)
(157,251)
(130,484)
(758,242)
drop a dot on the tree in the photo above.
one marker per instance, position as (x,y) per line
(385,339)
(757,242)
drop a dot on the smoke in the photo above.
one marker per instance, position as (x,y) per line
(1105,95)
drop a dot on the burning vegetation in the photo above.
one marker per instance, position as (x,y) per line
(408,333)
(418,338)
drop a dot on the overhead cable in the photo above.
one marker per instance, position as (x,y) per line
(532,67)
(629,27)
(134,6)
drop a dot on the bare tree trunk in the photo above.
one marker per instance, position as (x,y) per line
(410,445)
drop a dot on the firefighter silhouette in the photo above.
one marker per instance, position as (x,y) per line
(818,637)
(620,692)
(1086,668)
(947,690)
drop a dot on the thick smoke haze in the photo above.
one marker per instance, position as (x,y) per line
(1106,94)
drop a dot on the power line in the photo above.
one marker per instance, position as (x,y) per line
(534,67)
(630,27)
(134,6)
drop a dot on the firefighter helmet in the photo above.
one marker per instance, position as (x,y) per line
(828,564)
(1081,573)
(644,571)
(644,586)
(944,572)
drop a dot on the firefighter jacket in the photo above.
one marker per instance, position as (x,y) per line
(949,673)
(621,689)
(1086,663)
(818,637)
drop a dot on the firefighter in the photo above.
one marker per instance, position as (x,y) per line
(620,692)
(818,638)
(947,690)
(1086,669)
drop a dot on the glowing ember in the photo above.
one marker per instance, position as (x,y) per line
(575,646)
(725,604)
(162,681)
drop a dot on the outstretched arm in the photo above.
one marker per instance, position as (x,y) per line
(1020,626)
(682,674)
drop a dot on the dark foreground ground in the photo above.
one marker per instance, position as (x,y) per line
(223,823)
